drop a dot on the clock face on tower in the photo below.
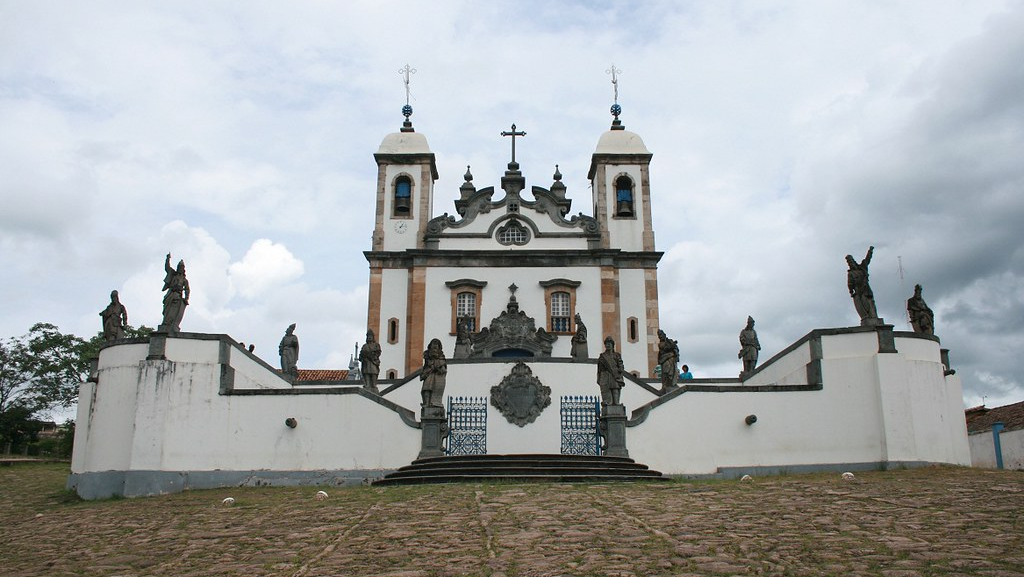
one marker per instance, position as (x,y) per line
(401,226)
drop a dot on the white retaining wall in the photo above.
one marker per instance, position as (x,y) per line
(983,449)
(150,426)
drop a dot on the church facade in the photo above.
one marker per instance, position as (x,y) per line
(429,273)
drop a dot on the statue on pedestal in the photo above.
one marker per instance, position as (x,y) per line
(580,351)
(463,340)
(369,360)
(289,351)
(434,374)
(609,373)
(115,319)
(668,361)
(860,290)
(176,298)
(749,346)
(921,317)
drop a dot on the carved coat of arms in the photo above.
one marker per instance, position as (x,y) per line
(520,396)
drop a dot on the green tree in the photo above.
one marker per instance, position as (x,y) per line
(39,371)
(67,439)
(17,428)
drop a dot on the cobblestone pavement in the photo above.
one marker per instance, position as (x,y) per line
(935,521)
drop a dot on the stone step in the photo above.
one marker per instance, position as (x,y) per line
(523,470)
(428,479)
(524,462)
(531,456)
(544,468)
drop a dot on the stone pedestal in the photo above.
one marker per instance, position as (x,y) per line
(157,346)
(886,340)
(434,426)
(613,428)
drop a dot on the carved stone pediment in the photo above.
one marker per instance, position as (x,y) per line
(520,396)
(514,334)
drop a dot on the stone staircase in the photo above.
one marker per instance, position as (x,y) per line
(541,468)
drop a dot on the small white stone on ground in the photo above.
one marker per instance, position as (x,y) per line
(320,495)
(228,501)
(746,478)
(848,476)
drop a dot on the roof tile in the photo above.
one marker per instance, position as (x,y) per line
(322,375)
(980,419)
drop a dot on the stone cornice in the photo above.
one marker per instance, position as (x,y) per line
(610,158)
(513,258)
(409,158)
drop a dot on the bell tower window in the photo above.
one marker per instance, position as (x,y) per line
(624,197)
(403,196)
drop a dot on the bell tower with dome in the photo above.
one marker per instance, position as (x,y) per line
(621,186)
(406,171)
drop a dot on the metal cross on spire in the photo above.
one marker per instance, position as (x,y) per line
(406,72)
(513,134)
(615,80)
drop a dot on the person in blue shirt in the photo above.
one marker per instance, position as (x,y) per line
(685,374)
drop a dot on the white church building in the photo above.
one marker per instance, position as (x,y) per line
(518,271)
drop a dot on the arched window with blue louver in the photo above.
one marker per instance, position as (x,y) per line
(403,196)
(624,196)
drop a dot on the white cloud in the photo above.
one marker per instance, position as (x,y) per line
(264,267)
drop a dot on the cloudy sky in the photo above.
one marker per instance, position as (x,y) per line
(239,137)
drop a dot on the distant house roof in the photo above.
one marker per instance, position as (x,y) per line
(322,375)
(980,419)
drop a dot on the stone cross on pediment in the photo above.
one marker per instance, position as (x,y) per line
(514,133)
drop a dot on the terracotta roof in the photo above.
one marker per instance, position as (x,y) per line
(322,375)
(980,419)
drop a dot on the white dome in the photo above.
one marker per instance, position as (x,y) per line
(621,142)
(404,143)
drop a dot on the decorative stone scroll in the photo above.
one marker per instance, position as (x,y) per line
(512,334)
(520,396)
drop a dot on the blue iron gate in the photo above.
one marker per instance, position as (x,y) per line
(579,425)
(467,426)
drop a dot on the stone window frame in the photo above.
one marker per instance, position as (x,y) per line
(394,195)
(633,329)
(560,285)
(512,222)
(466,285)
(393,327)
(615,196)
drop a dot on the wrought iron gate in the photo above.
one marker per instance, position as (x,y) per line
(467,426)
(579,425)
